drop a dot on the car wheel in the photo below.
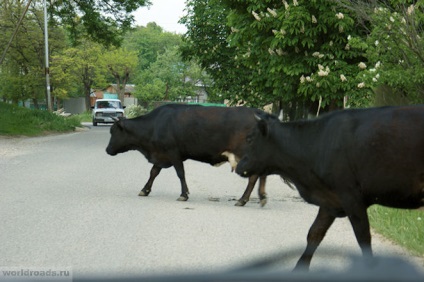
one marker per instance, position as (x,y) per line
(94,123)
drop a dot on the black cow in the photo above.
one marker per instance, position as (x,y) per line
(344,162)
(173,133)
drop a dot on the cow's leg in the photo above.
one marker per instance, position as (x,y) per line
(261,191)
(179,168)
(148,187)
(361,227)
(316,233)
(246,195)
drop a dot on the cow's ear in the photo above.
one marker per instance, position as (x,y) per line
(262,125)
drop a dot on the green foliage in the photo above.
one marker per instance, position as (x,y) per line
(21,121)
(164,78)
(120,64)
(394,49)
(149,42)
(404,227)
(297,48)
(260,52)
(22,71)
(206,43)
(103,21)
(76,70)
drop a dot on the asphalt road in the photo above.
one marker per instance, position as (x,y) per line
(66,203)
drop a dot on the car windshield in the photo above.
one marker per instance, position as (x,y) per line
(109,104)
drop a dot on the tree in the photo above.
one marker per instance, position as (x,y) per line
(149,42)
(77,68)
(206,42)
(293,53)
(394,49)
(104,21)
(23,67)
(120,64)
(168,78)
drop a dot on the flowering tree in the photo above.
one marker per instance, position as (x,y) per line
(300,49)
(394,48)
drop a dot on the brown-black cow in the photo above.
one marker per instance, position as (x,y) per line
(173,133)
(344,162)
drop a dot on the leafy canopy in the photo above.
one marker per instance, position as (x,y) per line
(103,21)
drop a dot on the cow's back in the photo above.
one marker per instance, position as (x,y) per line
(202,133)
(382,148)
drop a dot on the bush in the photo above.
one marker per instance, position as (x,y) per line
(134,111)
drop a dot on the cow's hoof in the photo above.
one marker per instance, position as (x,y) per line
(143,193)
(263,202)
(240,203)
(182,199)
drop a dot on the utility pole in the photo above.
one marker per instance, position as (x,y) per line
(46,46)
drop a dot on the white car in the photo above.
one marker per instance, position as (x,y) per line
(105,110)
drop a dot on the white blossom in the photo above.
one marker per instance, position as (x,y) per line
(257,17)
(272,12)
(410,9)
(340,16)
(362,65)
(361,85)
(343,78)
(376,43)
(286,5)
(378,64)
(271,52)
(233,29)
(322,73)
(280,52)
(295,3)
(302,79)
(308,79)
(315,54)
(318,85)
(313,19)
(392,19)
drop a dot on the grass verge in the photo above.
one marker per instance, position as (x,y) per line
(403,227)
(15,120)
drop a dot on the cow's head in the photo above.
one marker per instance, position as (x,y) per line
(254,159)
(120,138)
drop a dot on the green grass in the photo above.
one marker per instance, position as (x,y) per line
(15,121)
(85,117)
(403,227)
